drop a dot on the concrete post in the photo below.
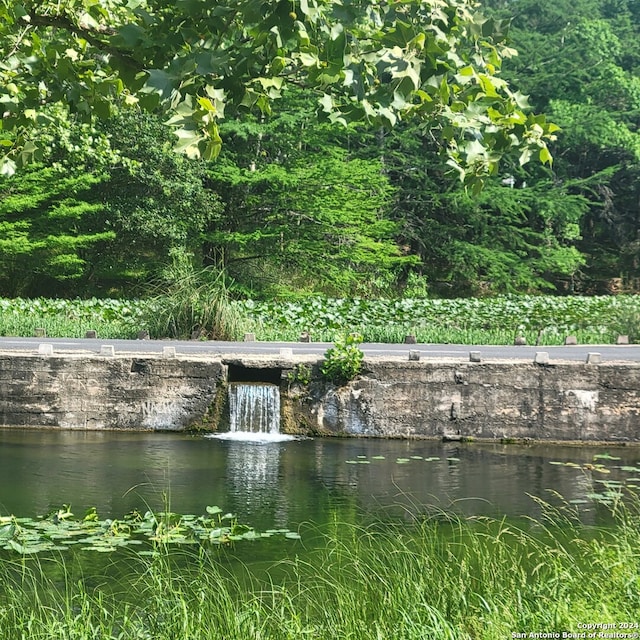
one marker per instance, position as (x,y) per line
(542,357)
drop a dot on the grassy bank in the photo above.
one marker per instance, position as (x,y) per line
(544,320)
(442,578)
(541,319)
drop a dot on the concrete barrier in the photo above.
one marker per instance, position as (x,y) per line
(393,397)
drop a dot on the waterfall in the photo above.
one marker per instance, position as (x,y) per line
(254,413)
(254,407)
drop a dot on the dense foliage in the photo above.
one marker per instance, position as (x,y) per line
(199,63)
(541,319)
(579,62)
(344,205)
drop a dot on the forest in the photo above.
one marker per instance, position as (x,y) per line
(293,193)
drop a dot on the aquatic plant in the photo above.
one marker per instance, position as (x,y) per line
(61,530)
(442,577)
(201,301)
(542,319)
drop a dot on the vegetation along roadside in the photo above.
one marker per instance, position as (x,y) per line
(541,319)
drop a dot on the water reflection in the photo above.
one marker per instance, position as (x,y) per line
(253,481)
(284,484)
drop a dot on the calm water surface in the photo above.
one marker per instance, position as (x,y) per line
(290,483)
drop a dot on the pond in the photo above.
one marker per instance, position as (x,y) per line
(376,541)
(286,484)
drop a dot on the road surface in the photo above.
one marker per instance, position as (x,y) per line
(186,347)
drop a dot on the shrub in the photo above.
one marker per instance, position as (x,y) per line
(343,361)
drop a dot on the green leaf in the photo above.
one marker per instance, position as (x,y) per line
(545,156)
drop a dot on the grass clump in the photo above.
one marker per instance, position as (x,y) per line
(445,578)
(191,302)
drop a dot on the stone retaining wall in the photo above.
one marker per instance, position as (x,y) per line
(494,400)
(94,392)
(560,401)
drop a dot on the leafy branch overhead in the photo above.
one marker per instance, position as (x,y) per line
(198,62)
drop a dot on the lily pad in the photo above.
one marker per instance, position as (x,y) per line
(30,536)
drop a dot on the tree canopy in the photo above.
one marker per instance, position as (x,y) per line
(579,62)
(199,62)
(294,204)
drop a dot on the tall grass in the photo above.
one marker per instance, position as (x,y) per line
(191,302)
(444,578)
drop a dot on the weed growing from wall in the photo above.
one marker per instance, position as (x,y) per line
(343,361)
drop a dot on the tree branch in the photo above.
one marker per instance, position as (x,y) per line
(92,36)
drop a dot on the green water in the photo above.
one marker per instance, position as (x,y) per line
(283,485)
(381,553)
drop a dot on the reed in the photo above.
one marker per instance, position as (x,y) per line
(191,302)
(443,578)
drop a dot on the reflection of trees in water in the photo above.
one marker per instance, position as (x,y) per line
(281,485)
(468,479)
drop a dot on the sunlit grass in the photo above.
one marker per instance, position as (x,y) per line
(443,577)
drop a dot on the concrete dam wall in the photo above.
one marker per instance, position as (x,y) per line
(393,397)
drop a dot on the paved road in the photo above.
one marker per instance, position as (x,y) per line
(578,352)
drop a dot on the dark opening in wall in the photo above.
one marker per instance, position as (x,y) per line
(238,373)
(140,366)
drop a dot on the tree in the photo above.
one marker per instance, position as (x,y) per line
(198,62)
(518,234)
(47,229)
(579,62)
(155,201)
(302,215)
(90,224)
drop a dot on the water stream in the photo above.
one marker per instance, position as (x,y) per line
(254,413)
